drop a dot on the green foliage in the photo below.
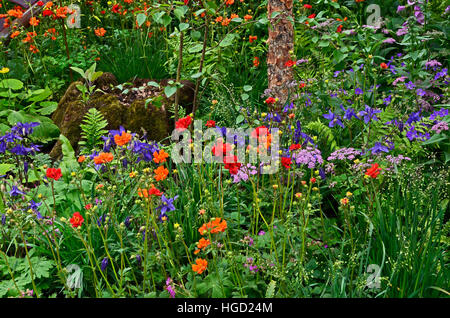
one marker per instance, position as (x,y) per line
(92,129)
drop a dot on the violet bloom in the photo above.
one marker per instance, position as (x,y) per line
(104,264)
(334,119)
(170,288)
(399,79)
(344,154)
(378,148)
(309,156)
(15,192)
(167,204)
(402,31)
(358,91)
(369,114)
(389,41)
(261,233)
(439,127)
(3,220)
(400,8)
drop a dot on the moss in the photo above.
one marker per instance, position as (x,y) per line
(152,120)
(111,108)
(71,94)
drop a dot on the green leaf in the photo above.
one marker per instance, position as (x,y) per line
(154,84)
(69,161)
(5,167)
(170,90)
(196,48)
(247,88)
(183,26)
(227,41)
(11,83)
(47,108)
(141,18)
(79,71)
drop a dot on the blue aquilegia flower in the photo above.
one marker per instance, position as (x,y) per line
(369,113)
(334,119)
(166,206)
(349,113)
(15,192)
(378,148)
(104,264)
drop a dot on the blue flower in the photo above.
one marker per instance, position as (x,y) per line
(358,91)
(104,264)
(379,148)
(369,113)
(167,204)
(349,113)
(334,119)
(15,192)
(410,85)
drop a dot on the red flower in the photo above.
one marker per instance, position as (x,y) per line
(313,180)
(307,6)
(183,123)
(301,85)
(186,2)
(40,3)
(252,38)
(221,149)
(383,66)
(76,220)
(53,173)
(210,123)
(88,206)
(256,61)
(260,131)
(47,13)
(289,63)
(116,8)
(312,16)
(373,171)
(339,29)
(270,100)
(294,147)
(231,164)
(286,162)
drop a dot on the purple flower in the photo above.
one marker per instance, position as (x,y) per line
(261,233)
(378,148)
(344,154)
(308,156)
(3,220)
(369,113)
(400,8)
(389,41)
(104,264)
(167,204)
(334,119)
(358,91)
(15,192)
(420,92)
(439,127)
(402,31)
(170,288)
(410,85)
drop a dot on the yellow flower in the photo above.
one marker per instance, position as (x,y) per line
(298,195)
(176,225)
(344,201)
(349,194)
(4,70)
(275,186)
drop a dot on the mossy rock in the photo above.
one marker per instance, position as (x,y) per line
(149,119)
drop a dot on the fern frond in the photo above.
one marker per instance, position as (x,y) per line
(92,129)
(324,133)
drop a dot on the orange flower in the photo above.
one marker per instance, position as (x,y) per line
(229,2)
(226,21)
(34,49)
(200,265)
(248,17)
(216,225)
(61,12)
(256,61)
(15,13)
(103,157)
(252,38)
(203,243)
(15,34)
(34,21)
(81,159)
(160,157)
(146,193)
(100,32)
(161,173)
(122,139)
(219,19)
(76,220)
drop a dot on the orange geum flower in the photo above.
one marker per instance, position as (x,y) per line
(200,265)
(203,243)
(161,173)
(122,139)
(216,225)
(252,38)
(248,17)
(15,13)
(100,32)
(103,157)
(160,157)
(15,34)
(81,158)
(34,21)
(61,12)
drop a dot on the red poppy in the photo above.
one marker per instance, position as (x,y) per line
(313,180)
(312,16)
(221,149)
(339,29)
(307,6)
(383,66)
(53,173)
(231,164)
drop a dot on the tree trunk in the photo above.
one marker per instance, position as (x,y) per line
(281,44)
